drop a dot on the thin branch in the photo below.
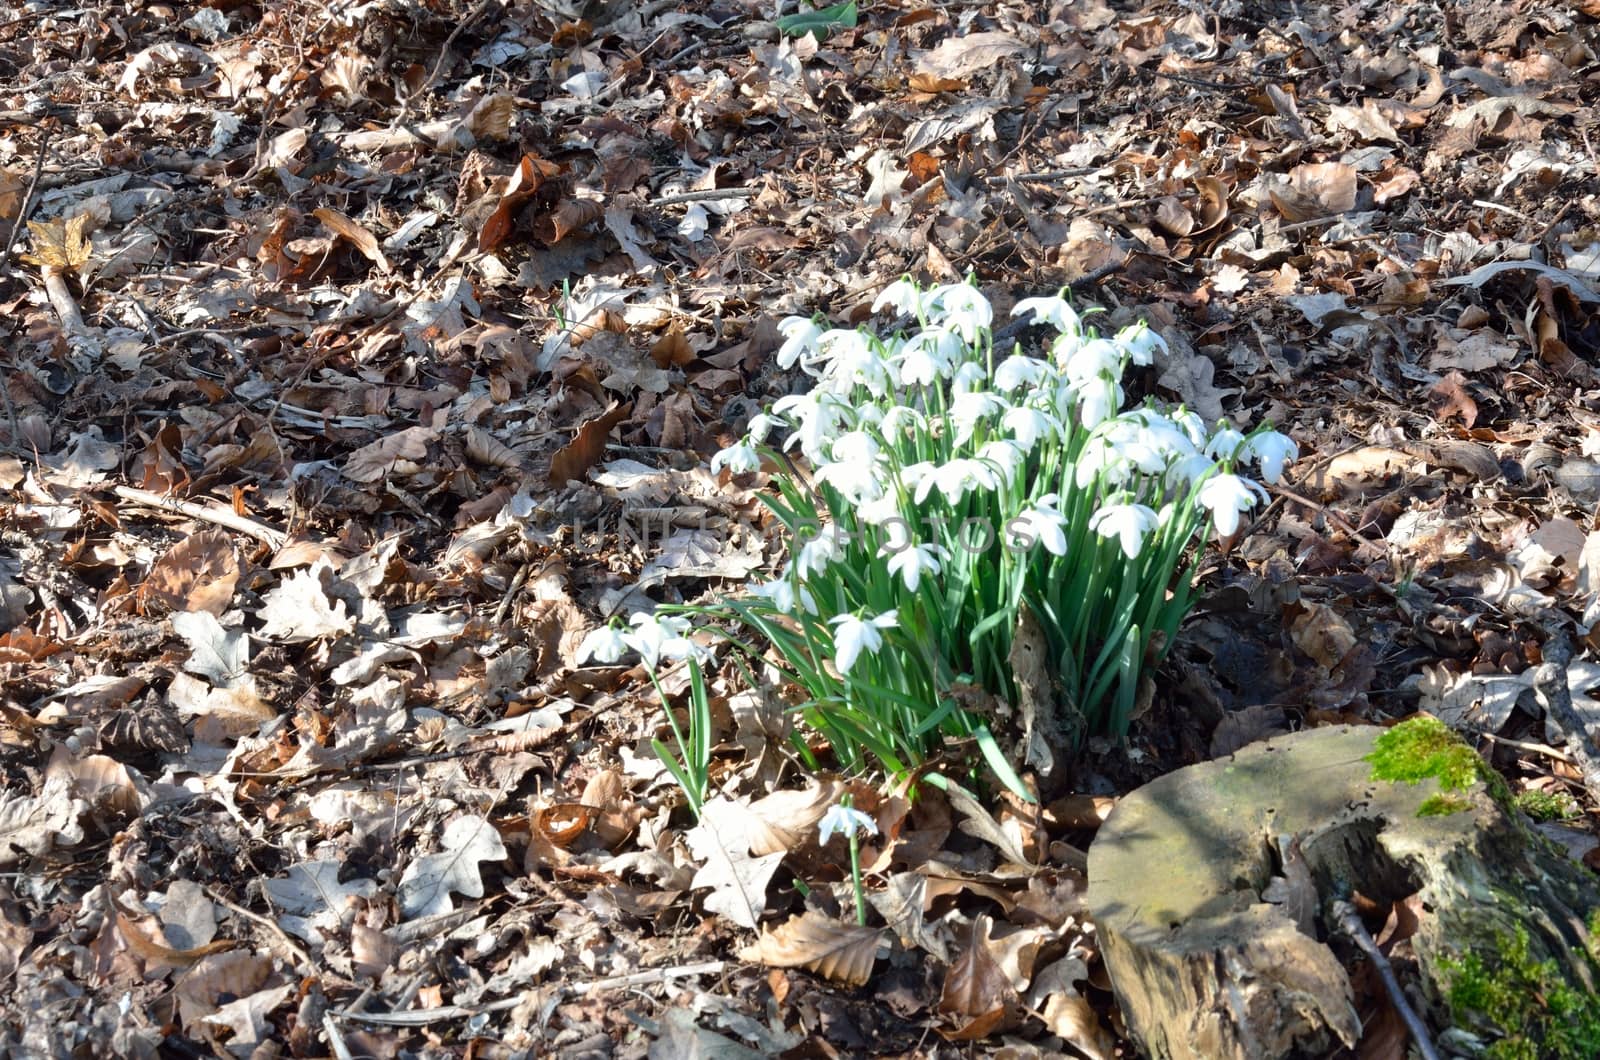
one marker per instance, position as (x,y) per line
(27,200)
(1349,923)
(224,517)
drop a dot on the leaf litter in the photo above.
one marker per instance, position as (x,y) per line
(359,360)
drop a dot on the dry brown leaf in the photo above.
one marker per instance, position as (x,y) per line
(353,232)
(60,244)
(977,995)
(100,781)
(490,451)
(844,953)
(398,453)
(1449,398)
(219,977)
(199,573)
(529,180)
(672,349)
(1322,633)
(932,83)
(567,217)
(787,819)
(1316,190)
(575,459)
(490,117)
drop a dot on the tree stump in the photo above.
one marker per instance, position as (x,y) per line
(1203,967)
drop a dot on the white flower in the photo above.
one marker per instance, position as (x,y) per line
(1226,496)
(606,644)
(1141,342)
(800,336)
(1017,371)
(762,425)
(816,554)
(1190,469)
(853,361)
(1095,358)
(1191,424)
(738,459)
(970,376)
(855,635)
(962,308)
(1053,310)
(955,479)
(1225,444)
(1272,450)
(781,593)
(898,418)
(971,408)
(928,355)
(902,295)
(1006,457)
(1028,425)
(1130,522)
(855,470)
(1101,459)
(911,563)
(1064,346)
(845,821)
(1098,399)
(1042,523)
(659,638)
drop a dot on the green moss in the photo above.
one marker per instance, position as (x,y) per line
(1547,805)
(1443,806)
(1424,748)
(1527,1003)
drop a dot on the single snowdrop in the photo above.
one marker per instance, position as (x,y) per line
(739,459)
(970,409)
(910,564)
(855,636)
(1225,444)
(1098,398)
(1028,425)
(1005,456)
(800,335)
(656,639)
(903,296)
(846,821)
(1095,358)
(817,553)
(782,595)
(1054,310)
(1226,496)
(1141,341)
(956,478)
(605,645)
(927,356)
(1041,523)
(1272,451)
(761,425)
(899,420)
(962,308)
(969,377)
(1017,371)
(1127,522)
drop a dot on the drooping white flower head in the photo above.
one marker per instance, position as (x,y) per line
(969,376)
(1053,310)
(855,470)
(899,419)
(852,359)
(928,355)
(854,636)
(606,644)
(1017,371)
(761,425)
(969,409)
(1040,522)
(1097,357)
(1226,496)
(1272,451)
(1129,522)
(800,336)
(782,594)
(656,639)
(960,307)
(956,478)
(845,821)
(1141,341)
(1098,399)
(903,296)
(818,552)
(911,563)
(1005,456)
(1027,425)
(1225,444)
(739,459)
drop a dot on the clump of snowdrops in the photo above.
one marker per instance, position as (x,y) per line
(931,491)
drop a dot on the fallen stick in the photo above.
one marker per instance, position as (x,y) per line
(224,517)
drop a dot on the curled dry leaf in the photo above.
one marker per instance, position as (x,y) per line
(199,573)
(834,950)
(1315,190)
(978,996)
(353,232)
(575,459)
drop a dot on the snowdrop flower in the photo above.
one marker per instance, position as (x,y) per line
(606,644)
(1028,425)
(1053,310)
(1064,346)
(1272,450)
(762,425)
(903,296)
(852,361)
(927,356)
(781,594)
(1189,422)
(1130,522)
(659,638)
(845,821)
(1098,399)
(971,408)
(910,564)
(800,336)
(1190,469)
(900,417)
(970,376)
(1225,444)
(956,478)
(1042,523)
(856,635)
(1141,341)
(738,459)
(1005,456)
(1017,371)
(962,308)
(816,554)
(1094,358)
(1100,459)
(1226,496)
(854,471)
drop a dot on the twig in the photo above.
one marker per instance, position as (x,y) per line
(1524,745)
(27,200)
(709,195)
(1044,176)
(423,1016)
(506,601)
(1550,684)
(444,52)
(273,539)
(307,966)
(1349,923)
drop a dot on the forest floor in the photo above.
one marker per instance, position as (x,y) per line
(359,359)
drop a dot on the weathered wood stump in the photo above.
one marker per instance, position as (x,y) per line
(1204,968)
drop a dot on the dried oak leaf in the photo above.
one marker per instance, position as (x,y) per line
(427,883)
(199,573)
(834,950)
(977,992)
(574,460)
(398,453)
